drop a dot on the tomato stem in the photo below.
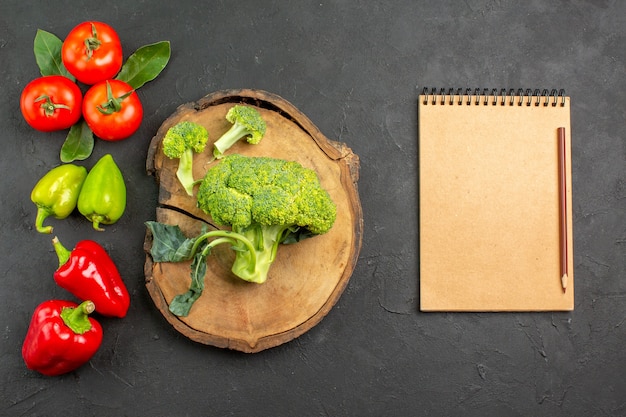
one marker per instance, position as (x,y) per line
(92,43)
(48,106)
(113,104)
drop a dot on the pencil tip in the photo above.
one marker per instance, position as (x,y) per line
(564,282)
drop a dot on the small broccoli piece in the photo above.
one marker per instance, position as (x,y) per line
(180,142)
(268,201)
(247,122)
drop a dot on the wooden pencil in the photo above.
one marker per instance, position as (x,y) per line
(563,208)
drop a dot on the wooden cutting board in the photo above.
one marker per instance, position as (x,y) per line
(307,278)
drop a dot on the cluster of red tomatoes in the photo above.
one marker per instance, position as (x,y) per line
(92,53)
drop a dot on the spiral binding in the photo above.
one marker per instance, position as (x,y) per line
(493,97)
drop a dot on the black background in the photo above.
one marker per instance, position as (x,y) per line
(355,69)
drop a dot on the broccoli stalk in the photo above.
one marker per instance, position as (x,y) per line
(247,122)
(180,142)
(184,173)
(255,250)
(254,265)
(266,202)
(170,245)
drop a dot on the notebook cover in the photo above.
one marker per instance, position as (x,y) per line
(489,207)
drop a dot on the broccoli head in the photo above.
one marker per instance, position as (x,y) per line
(180,142)
(247,122)
(267,201)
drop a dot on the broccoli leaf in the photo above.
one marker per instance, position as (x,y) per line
(182,303)
(169,244)
(295,235)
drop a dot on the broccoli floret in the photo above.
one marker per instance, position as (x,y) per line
(247,122)
(268,201)
(180,142)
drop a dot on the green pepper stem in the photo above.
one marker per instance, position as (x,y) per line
(62,253)
(77,319)
(42,214)
(96,219)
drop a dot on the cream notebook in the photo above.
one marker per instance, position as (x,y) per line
(495,201)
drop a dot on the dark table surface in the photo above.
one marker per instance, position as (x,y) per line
(355,69)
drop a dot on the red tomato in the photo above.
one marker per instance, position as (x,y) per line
(112,110)
(92,52)
(51,103)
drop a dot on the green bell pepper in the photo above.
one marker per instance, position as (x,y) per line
(56,193)
(103,197)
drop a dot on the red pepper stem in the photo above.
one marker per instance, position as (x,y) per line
(62,253)
(77,319)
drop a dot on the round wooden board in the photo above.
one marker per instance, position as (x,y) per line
(307,278)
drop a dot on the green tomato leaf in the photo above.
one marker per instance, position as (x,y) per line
(145,64)
(47,49)
(78,144)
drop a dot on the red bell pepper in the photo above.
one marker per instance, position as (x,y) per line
(61,337)
(89,273)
